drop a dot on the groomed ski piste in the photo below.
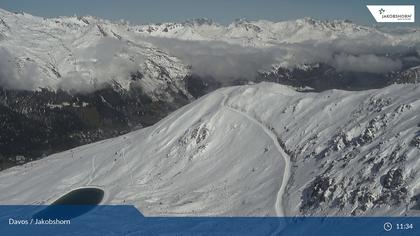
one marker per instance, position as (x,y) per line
(286,173)
(253,150)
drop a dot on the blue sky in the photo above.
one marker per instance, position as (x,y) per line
(222,11)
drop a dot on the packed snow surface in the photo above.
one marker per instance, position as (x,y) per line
(254,150)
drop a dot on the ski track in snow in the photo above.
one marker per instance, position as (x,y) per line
(279,208)
(127,166)
(92,172)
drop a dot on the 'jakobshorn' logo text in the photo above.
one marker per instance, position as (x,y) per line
(392,13)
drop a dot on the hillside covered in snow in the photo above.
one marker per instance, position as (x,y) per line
(251,150)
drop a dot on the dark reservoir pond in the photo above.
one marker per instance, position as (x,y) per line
(81,196)
(72,204)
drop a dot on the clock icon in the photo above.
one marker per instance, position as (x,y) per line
(387,226)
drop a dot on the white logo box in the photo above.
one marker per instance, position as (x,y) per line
(393,13)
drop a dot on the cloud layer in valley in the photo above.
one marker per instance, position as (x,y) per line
(224,61)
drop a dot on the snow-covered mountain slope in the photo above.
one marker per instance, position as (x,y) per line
(82,54)
(264,149)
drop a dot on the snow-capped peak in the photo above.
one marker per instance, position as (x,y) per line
(198,22)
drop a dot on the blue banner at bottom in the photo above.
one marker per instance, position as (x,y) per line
(127,220)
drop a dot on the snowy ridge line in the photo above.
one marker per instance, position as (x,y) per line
(286,174)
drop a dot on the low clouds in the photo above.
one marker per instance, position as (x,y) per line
(18,74)
(109,60)
(89,68)
(225,61)
(219,60)
(365,63)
